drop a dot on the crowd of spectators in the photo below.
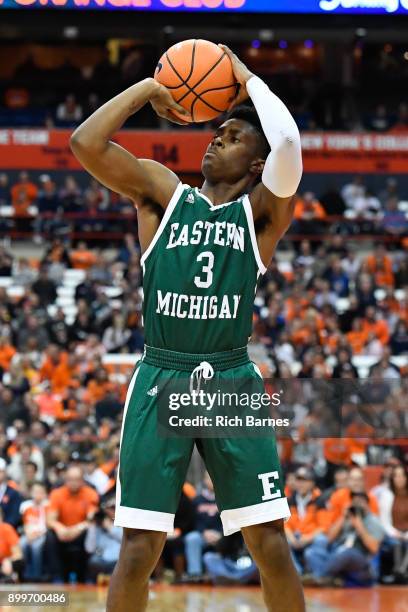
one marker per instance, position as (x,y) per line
(317,309)
(49,206)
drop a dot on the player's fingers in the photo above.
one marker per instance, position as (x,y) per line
(175,119)
(228,51)
(180,109)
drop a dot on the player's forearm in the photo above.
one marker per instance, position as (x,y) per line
(283,167)
(96,132)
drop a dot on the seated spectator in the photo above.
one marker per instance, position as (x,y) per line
(71,508)
(341,499)
(352,191)
(384,485)
(308,214)
(94,475)
(70,196)
(399,339)
(102,542)
(66,372)
(367,206)
(5,196)
(338,279)
(353,541)
(45,288)
(24,453)
(307,519)
(53,357)
(30,330)
(394,518)
(23,273)
(207,529)
(10,499)
(16,380)
(7,352)
(116,336)
(357,337)
(11,556)
(394,221)
(379,265)
(57,329)
(23,195)
(6,262)
(379,327)
(33,512)
(69,112)
(47,204)
(82,258)
(231,563)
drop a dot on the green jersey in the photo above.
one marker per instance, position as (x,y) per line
(200,274)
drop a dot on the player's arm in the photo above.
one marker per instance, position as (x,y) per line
(110,163)
(273,198)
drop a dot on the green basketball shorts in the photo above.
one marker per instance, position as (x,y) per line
(245,471)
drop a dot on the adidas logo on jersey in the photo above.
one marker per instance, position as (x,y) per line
(153,391)
(190,198)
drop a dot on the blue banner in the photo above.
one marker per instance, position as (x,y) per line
(362,7)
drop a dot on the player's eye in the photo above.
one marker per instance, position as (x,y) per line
(235,139)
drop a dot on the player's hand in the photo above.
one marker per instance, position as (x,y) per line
(163,104)
(242,75)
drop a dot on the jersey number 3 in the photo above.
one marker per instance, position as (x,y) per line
(206,269)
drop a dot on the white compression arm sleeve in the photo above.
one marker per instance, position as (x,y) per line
(283,166)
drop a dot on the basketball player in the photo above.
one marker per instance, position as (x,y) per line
(203,251)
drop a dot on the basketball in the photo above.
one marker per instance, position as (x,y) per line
(199,76)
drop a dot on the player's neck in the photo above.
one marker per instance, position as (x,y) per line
(219,193)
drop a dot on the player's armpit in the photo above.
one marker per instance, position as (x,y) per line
(276,213)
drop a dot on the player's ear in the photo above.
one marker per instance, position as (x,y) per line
(257,166)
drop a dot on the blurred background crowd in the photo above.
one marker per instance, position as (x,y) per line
(300,71)
(330,308)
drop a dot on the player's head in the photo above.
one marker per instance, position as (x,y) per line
(238,149)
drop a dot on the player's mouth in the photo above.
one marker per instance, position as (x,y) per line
(211,152)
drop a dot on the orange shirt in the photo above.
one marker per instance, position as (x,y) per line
(357,340)
(337,451)
(48,367)
(382,271)
(315,207)
(6,355)
(73,508)
(315,518)
(48,404)
(8,539)
(82,260)
(95,391)
(63,376)
(379,328)
(22,196)
(34,517)
(341,499)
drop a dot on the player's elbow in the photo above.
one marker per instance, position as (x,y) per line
(77,142)
(82,142)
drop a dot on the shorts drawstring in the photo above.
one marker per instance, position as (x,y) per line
(204,370)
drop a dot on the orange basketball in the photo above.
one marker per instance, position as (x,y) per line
(199,76)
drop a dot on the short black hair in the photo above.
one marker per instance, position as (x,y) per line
(247,113)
